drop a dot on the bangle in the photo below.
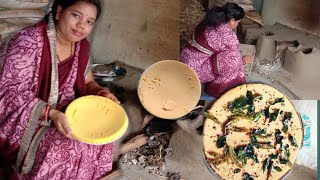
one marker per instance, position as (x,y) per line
(48,107)
(102,91)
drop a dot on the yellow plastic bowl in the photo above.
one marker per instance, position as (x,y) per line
(96,120)
(169,89)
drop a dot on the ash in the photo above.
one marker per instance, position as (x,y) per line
(150,156)
(273,71)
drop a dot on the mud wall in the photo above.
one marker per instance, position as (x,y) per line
(137,32)
(299,14)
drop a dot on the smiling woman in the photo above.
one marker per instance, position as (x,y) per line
(73,24)
(45,68)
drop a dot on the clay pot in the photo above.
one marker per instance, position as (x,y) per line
(303,63)
(266,48)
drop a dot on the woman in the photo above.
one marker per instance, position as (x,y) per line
(45,68)
(213,53)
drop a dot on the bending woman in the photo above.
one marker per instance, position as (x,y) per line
(45,68)
(213,52)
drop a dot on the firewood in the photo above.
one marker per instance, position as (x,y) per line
(134,143)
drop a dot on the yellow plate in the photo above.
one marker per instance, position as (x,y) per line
(169,89)
(96,120)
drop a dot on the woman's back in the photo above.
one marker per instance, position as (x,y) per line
(216,40)
(213,52)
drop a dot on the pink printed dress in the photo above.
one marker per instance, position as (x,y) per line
(215,57)
(34,147)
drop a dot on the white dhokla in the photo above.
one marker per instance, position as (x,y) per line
(252,132)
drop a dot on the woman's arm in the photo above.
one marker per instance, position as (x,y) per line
(59,118)
(93,88)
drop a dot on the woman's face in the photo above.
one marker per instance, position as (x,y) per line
(76,22)
(234,23)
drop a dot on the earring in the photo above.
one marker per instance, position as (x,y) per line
(57,17)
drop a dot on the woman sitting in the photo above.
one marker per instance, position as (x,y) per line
(213,52)
(45,68)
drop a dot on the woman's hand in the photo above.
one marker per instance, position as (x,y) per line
(61,122)
(247,59)
(107,94)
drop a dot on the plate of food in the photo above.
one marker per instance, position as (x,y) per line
(96,120)
(169,89)
(252,132)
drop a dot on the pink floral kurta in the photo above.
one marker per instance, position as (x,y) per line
(224,68)
(56,157)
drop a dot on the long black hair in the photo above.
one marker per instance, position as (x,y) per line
(221,15)
(66,3)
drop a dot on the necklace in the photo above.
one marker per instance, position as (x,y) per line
(71,52)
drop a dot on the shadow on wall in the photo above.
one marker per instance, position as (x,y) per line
(315,12)
(137,32)
(309,15)
(299,14)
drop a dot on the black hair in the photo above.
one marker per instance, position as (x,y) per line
(66,3)
(221,15)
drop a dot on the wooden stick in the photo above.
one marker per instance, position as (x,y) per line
(134,143)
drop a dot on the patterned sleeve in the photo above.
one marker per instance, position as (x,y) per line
(20,109)
(20,71)
(230,57)
(230,40)
(214,40)
(228,63)
(221,39)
